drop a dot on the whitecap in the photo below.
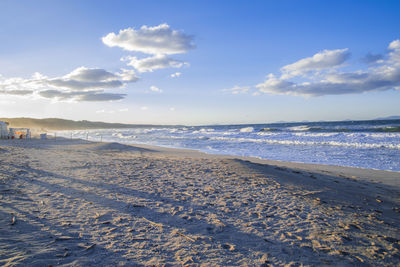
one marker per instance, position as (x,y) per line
(247,130)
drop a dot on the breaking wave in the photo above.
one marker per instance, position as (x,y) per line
(367,144)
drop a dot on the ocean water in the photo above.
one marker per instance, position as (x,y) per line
(366,144)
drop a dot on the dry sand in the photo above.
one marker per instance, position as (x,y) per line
(78,203)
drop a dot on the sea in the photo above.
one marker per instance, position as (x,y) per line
(373,144)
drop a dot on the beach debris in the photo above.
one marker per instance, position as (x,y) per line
(185,236)
(229,247)
(90,246)
(268,241)
(87,246)
(185,261)
(66,254)
(62,238)
(358,259)
(153,223)
(13,220)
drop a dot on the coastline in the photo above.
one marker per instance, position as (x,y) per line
(388,177)
(352,144)
(84,203)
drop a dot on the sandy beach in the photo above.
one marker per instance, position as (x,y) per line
(80,203)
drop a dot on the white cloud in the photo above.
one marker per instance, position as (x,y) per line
(274,85)
(176,75)
(320,61)
(17,83)
(83,74)
(90,96)
(150,64)
(16,92)
(144,108)
(128,76)
(172,109)
(237,89)
(87,79)
(394,54)
(394,45)
(91,84)
(158,40)
(100,97)
(155,89)
(384,75)
(82,84)
(38,76)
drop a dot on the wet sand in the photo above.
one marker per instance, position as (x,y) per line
(79,203)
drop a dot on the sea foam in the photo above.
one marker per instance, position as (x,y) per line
(366,144)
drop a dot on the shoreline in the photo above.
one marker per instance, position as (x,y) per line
(369,172)
(253,158)
(84,203)
(349,145)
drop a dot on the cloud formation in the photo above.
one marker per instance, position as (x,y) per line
(319,75)
(237,89)
(155,89)
(175,75)
(157,40)
(16,92)
(82,84)
(90,84)
(101,97)
(85,79)
(149,64)
(91,96)
(320,61)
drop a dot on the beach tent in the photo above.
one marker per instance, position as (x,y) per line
(20,133)
(3,129)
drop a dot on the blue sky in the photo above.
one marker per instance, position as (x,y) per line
(237,61)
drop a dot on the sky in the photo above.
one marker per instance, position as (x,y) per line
(200,62)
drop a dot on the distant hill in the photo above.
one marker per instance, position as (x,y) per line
(52,124)
(389,118)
